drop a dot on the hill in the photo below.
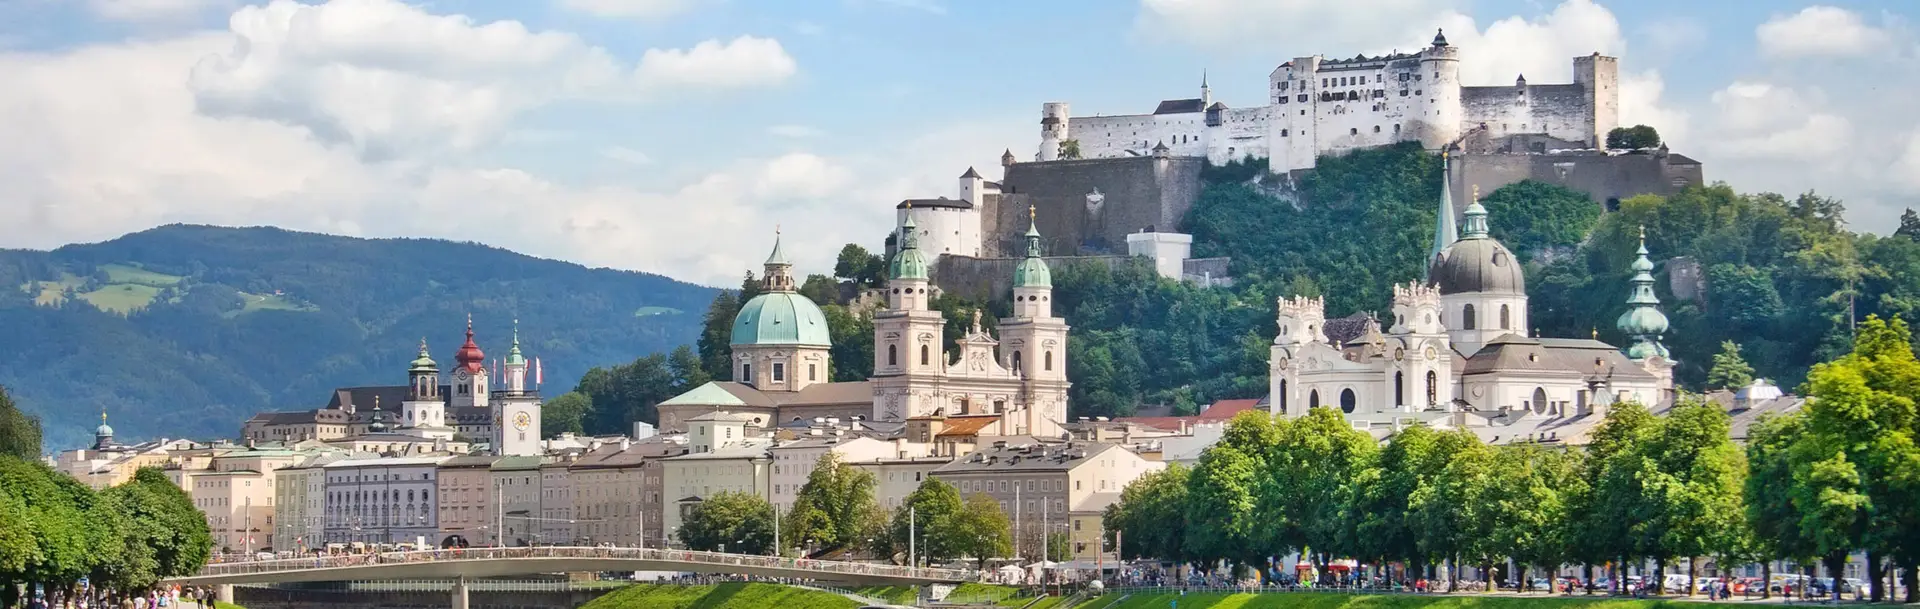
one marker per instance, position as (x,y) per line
(184,331)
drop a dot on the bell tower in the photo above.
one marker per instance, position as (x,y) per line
(909,356)
(424,408)
(1034,342)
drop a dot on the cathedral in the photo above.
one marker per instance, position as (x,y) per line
(1458,353)
(1011,384)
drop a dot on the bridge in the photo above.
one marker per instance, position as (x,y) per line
(462,564)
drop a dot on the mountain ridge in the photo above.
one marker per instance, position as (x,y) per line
(214,323)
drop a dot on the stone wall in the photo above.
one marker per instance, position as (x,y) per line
(992,278)
(1608,179)
(1138,193)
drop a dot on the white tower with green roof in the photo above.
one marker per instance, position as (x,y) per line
(1034,342)
(780,339)
(424,411)
(909,354)
(516,364)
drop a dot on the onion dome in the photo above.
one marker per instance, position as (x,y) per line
(470,356)
(909,263)
(103,431)
(423,363)
(1440,38)
(1477,263)
(379,423)
(1032,272)
(1643,321)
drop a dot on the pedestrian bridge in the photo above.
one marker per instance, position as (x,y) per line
(473,563)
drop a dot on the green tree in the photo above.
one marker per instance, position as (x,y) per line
(1533,497)
(1537,219)
(833,507)
(1730,371)
(982,529)
(1069,149)
(1909,225)
(852,335)
(1309,469)
(564,413)
(1770,513)
(167,522)
(19,431)
(932,513)
(1381,510)
(863,268)
(633,391)
(1059,547)
(1224,508)
(820,289)
(1694,488)
(1633,138)
(728,521)
(1151,516)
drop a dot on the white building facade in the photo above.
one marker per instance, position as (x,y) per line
(382,500)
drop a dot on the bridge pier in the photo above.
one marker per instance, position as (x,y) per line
(223,593)
(460,593)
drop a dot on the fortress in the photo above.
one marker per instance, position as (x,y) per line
(1319,106)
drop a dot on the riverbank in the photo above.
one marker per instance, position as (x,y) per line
(1327,600)
(719,596)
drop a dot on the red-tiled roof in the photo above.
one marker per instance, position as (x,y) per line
(1219,412)
(1226,409)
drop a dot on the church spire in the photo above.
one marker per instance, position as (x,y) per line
(1476,217)
(1643,322)
(909,262)
(514,358)
(1444,232)
(779,271)
(1032,272)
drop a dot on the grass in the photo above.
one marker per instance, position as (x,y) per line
(651,311)
(897,595)
(1311,600)
(129,288)
(122,273)
(226,605)
(121,297)
(721,596)
(265,302)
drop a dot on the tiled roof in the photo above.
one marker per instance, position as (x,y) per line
(1566,356)
(967,425)
(1027,456)
(1179,106)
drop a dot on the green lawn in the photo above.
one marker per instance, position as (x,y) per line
(266,302)
(1311,600)
(651,311)
(898,595)
(47,293)
(121,297)
(722,596)
(129,288)
(122,273)
(222,605)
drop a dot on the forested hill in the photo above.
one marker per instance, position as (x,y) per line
(184,331)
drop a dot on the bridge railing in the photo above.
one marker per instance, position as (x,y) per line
(247,567)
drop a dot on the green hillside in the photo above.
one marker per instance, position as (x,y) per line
(183,331)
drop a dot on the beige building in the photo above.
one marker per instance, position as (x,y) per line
(516,506)
(556,524)
(793,462)
(894,479)
(720,459)
(299,505)
(108,463)
(466,501)
(1047,486)
(238,505)
(616,492)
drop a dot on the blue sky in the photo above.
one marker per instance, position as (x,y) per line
(673,135)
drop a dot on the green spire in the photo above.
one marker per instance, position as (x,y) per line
(779,256)
(909,262)
(513,355)
(1643,321)
(424,363)
(1032,272)
(1444,232)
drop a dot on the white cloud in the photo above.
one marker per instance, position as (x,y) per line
(1673,35)
(637,9)
(1821,30)
(1641,104)
(1299,27)
(742,62)
(1758,119)
(1541,48)
(154,10)
(795,131)
(1907,169)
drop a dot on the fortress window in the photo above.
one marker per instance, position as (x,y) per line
(1376,128)
(1416,77)
(1417,92)
(1283,86)
(1353,131)
(1396,127)
(1403,92)
(1283,133)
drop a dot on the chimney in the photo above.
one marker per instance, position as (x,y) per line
(626,443)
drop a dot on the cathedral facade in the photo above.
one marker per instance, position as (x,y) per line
(1016,382)
(1458,352)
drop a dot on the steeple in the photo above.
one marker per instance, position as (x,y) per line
(423,363)
(1440,38)
(1206,93)
(1476,217)
(909,262)
(1643,322)
(1444,232)
(102,435)
(779,271)
(379,423)
(470,356)
(513,355)
(1032,272)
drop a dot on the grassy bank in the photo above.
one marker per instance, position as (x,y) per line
(898,595)
(720,596)
(1309,600)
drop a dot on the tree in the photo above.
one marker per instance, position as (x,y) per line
(633,391)
(852,335)
(1308,470)
(820,289)
(166,521)
(1069,149)
(832,508)
(1536,219)
(1453,515)
(982,529)
(729,521)
(716,334)
(863,268)
(932,513)
(1151,516)
(1770,514)
(1059,547)
(564,413)
(19,431)
(1909,225)
(1695,485)
(1633,138)
(1613,506)
(1224,508)
(1533,500)
(1730,371)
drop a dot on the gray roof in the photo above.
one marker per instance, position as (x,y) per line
(940,202)
(1026,454)
(1179,106)
(1561,356)
(1478,265)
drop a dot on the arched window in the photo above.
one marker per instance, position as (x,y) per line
(924,359)
(1433,388)
(1506,318)
(1283,396)
(1347,401)
(1399,388)
(1016,362)
(1467,321)
(1049,361)
(893,355)
(1540,400)
(1313,398)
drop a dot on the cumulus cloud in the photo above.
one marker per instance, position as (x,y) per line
(1821,30)
(742,62)
(1759,119)
(637,9)
(154,10)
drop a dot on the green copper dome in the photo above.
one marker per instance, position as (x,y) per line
(909,263)
(514,358)
(1032,272)
(780,318)
(1643,321)
(424,363)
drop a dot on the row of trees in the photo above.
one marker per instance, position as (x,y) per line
(835,511)
(1840,476)
(54,532)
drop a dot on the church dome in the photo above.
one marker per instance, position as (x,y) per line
(1478,265)
(909,264)
(780,318)
(1642,320)
(103,431)
(1032,273)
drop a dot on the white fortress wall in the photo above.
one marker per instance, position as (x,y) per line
(944,229)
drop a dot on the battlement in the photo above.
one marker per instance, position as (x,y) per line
(1414,294)
(1303,307)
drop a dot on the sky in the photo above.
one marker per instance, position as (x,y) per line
(676,136)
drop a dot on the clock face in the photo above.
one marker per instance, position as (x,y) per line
(1432,354)
(461,376)
(522,420)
